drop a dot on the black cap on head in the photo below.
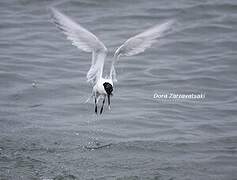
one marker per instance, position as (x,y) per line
(108,88)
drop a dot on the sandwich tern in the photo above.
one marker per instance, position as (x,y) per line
(88,42)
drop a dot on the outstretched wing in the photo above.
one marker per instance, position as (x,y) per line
(84,40)
(140,42)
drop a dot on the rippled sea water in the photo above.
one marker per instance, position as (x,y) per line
(45,124)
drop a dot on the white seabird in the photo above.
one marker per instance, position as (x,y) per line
(88,42)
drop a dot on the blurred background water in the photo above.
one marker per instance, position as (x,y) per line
(45,124)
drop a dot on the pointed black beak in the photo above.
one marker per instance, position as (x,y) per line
(109,100)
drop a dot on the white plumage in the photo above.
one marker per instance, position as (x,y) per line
(88,42)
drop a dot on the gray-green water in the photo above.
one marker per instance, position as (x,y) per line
(44,129)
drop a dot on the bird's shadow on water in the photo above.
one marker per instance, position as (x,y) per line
(97,145)
(91,146)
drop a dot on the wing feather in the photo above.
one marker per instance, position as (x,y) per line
(140,42)
(82,39)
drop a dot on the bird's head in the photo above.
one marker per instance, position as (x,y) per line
(109,89)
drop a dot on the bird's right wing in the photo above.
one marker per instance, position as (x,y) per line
(140,42)
(84,40)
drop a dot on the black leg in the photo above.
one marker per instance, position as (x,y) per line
(95,105)
(101,110)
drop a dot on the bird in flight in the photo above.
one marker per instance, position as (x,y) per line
(88,42)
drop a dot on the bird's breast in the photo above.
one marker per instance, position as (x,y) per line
(100,88)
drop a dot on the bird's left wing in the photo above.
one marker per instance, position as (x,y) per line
(84,40)
(140,42)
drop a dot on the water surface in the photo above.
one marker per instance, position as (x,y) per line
(45,124)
